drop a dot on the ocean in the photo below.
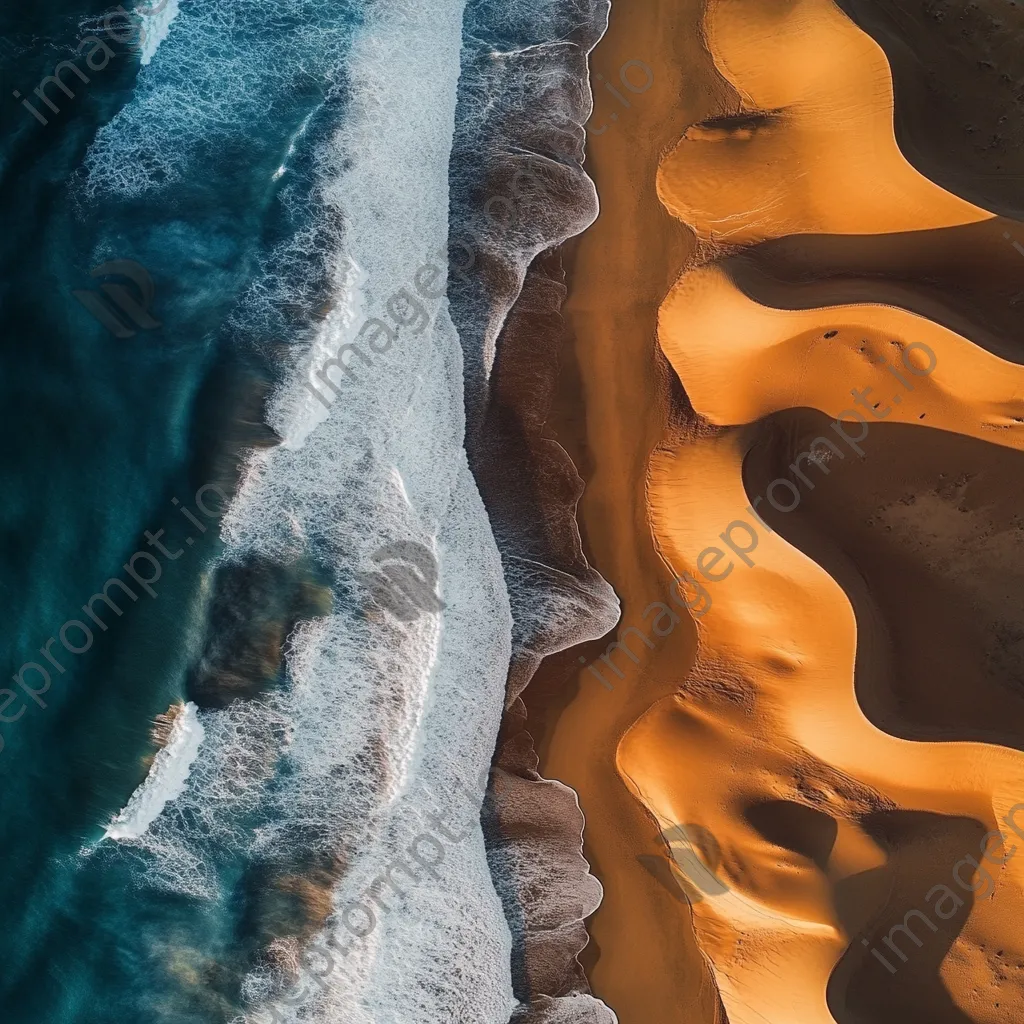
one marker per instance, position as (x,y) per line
(207,779)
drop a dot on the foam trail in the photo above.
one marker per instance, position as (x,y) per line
(166,780)
(156,23)
(296,412)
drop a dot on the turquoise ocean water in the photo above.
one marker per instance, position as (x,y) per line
(279,173)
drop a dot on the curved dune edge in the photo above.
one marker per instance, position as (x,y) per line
(829,830)
(817,357)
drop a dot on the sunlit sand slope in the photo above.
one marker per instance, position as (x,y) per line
(847,750)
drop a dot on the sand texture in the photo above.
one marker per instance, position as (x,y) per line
(798,354)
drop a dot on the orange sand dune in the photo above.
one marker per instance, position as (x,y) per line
(718,341)
(818,811)
(831,744)
(812,148)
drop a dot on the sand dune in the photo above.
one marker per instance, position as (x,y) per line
(813,151)
(845,718)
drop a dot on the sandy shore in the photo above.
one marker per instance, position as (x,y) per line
(836,719)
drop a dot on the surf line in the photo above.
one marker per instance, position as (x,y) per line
(709,558)
(429,282)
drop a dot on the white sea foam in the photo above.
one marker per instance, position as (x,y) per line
(296,410)
(211,81)
(166,780)
(387,463)
(156,18)
(373,707)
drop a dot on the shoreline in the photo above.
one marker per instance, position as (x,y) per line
(618,272)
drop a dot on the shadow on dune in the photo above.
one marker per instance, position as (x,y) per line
(923,849)
(925,535)
(957,71)
(805,830)
(969,279)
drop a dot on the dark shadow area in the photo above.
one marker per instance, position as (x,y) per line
(958,78)
(969,279)
(925,535)
(915,929)
(804,830)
